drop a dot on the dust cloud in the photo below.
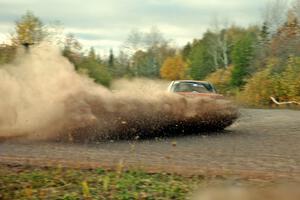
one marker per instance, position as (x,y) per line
(43,97)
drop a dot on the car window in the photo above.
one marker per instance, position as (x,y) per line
(190,87)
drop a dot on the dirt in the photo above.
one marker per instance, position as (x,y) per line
(262,143)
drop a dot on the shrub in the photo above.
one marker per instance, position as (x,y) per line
(284,86)
(221,79)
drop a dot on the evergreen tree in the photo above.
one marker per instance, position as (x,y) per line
(71,50)
(92,54)
(201,63)
(111,59)
(264,33)
(186,51)
(89,65)
(242,56)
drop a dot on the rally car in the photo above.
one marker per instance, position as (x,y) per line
(192,88)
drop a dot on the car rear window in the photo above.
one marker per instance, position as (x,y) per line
(192,87)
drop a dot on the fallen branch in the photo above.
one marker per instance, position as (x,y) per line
(284,103)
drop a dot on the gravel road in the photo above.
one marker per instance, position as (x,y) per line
(265,142)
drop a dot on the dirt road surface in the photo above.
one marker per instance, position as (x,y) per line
(264,143)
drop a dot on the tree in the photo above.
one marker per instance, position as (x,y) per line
(71,50)
(122,67)
(92,54)
(289,80)
(242,56)
(111,59)
(260,58)
(146,52)
(218,43)
(296,8)
(213,48)
(71,43)
(7,53)
(137,40)
(186,51)
(94,69)
(201,63)
(154,38)
(144,64)
(174,68)
(29,29)
(284,86)
(134,42)
(259,88)
(221,79)
(157,50)
(264,33)
(286,42)
(274,14)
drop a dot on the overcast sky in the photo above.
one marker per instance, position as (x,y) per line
(105,24)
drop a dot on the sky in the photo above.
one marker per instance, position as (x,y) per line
(105,24)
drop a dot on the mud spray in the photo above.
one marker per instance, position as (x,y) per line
(43,97)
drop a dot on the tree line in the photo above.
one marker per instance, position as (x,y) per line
(251,63)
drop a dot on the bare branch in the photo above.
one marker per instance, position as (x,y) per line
(274,14)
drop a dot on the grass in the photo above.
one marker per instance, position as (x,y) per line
(61,183)
(25,182)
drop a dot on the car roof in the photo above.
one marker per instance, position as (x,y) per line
(191,81)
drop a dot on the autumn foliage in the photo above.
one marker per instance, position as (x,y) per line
(284,86)
(174,68)
(251,63)
(221,79)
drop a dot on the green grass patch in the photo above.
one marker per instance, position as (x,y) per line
(21,182)
(61,183)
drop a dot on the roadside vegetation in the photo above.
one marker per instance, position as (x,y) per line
(68,184)
(28,182)
(249,64)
